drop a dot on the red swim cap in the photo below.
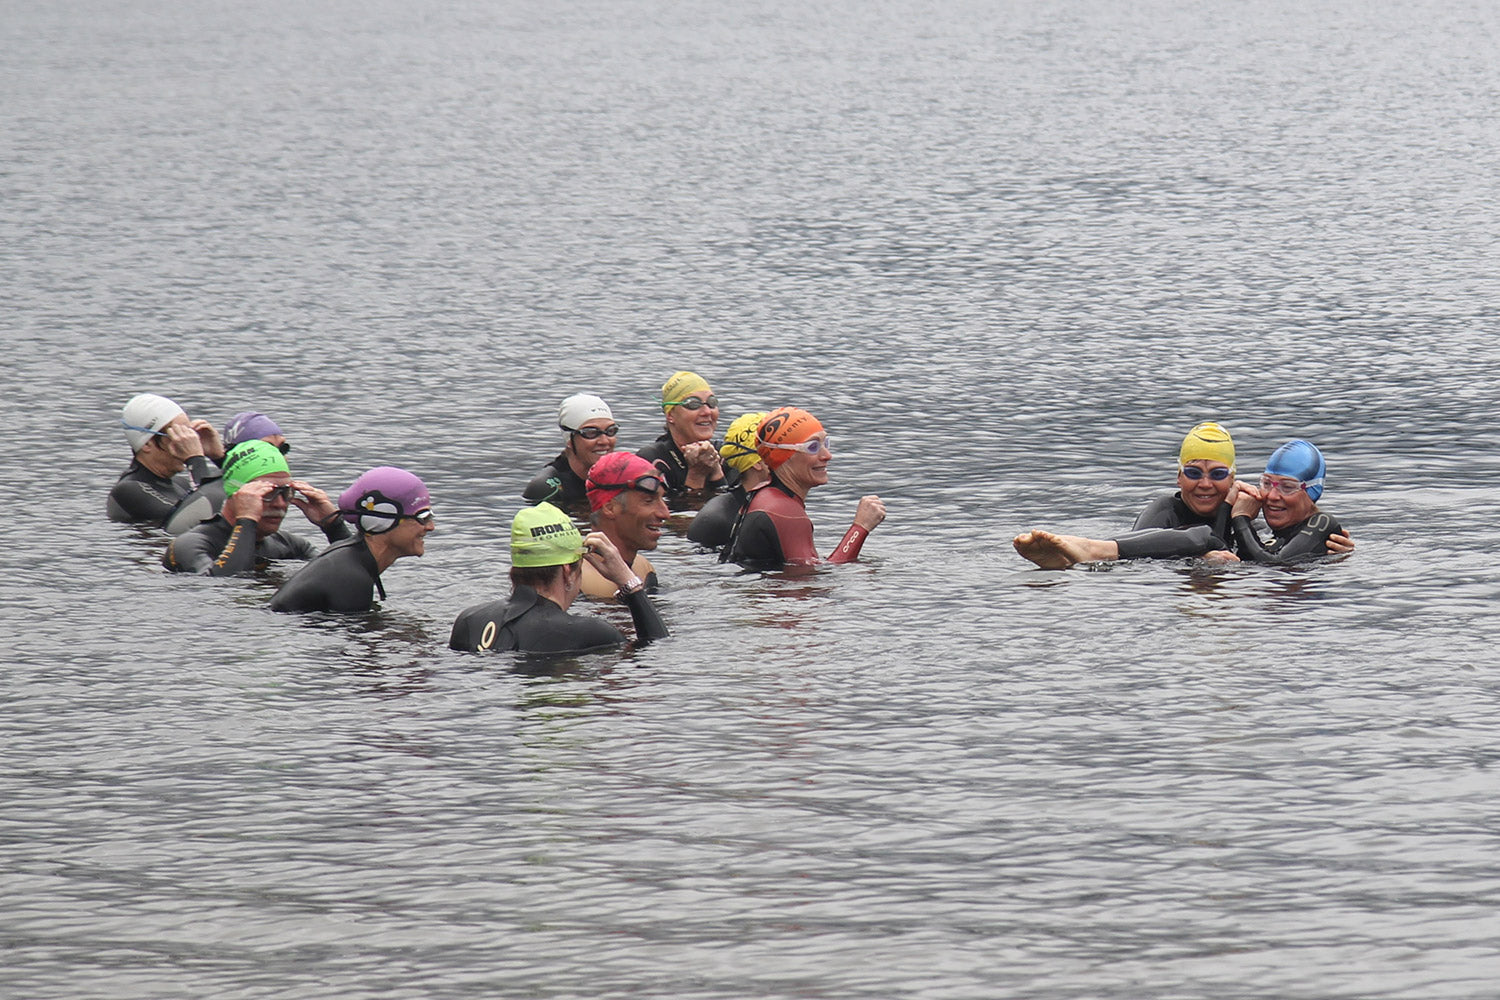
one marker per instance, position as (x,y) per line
(787,425)
(613,474)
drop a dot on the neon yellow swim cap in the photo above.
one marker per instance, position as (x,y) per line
(544,536)
(739,442)
(1207,441)
(680,386)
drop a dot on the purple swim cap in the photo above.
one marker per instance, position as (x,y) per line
(380,496)
(248,427)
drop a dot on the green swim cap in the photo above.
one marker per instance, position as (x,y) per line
(251,460)
(544,536)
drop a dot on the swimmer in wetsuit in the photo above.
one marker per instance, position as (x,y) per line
(775,530)
(172,468)
(685,452)
(1191,523)
(591,431)
(1287,498)
(392,513)
(546,575)
(246,533)
(713,525)
(628,505)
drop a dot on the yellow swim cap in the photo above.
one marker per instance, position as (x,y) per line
(1207,441)
(680,386)
(739,442)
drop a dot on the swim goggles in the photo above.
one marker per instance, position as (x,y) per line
(809,447)
(590,433)
(1196,472)
(1269,485)
(424,517)
(283,492)
(645,484)
(143,430)
(693,403)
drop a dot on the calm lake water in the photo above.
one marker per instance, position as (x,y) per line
(1008,252)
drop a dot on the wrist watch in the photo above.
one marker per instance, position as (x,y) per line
(632,585)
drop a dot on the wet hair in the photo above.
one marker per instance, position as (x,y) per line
(535,577)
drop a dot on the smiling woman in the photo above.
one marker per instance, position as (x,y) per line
(775,529)
(1287,498)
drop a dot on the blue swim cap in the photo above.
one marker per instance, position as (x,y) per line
(1302,461)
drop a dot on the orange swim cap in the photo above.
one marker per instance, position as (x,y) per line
(786,425)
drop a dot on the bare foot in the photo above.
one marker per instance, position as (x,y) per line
(1051,551)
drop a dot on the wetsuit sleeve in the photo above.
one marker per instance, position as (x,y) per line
(1159,513)
(546,486)
(1169,543)
(1309,541)
(712,526)
(336,529)
(133,500)
(648,623)
(849,545)
(756,541)
(194,552)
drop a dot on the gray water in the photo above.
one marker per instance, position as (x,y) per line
(1008,252)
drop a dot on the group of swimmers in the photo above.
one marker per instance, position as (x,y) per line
(224,496)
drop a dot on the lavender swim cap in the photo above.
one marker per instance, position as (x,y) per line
(379,497)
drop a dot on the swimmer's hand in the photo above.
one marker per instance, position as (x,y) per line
(312,502)
(603,556)
(870,513)
(249,501)
(213,445)
(703,464)
(1247,500)
(1220,556)
(180,441)
(1340,544)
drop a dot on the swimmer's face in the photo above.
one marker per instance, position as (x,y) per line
(409,536)
(1288,506)
(687,426)
(805,468)
(588,452)
(1204,494)
(639,517)
(273,508)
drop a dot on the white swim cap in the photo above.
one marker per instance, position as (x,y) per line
(576,409)
(144,415)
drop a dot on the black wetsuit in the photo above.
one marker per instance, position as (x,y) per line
(141,495)
(1295,543)
(558,485)
(343,577)
(1169,529)
(218,548)
(531,623)
(715,522)
(668,458)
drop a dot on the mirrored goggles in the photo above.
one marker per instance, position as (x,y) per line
(645,484)
(280,493)
(590,433)
(1197,472)
(693,403)
(812,446)
(424,517)
(1286,489)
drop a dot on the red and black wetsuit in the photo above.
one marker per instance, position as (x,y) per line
(776,531)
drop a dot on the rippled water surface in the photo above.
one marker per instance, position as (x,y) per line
(1009,252)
